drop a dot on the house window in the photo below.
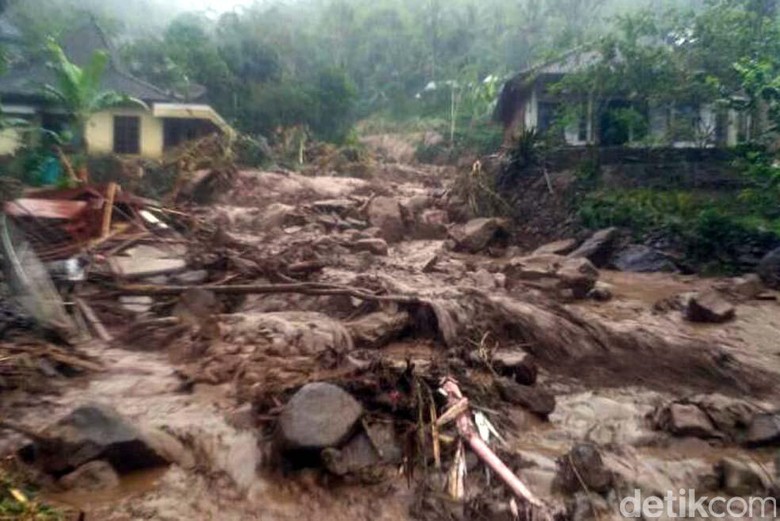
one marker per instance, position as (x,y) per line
(547,113)
(127,134)
(582,130)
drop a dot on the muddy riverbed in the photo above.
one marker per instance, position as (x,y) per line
(607,398)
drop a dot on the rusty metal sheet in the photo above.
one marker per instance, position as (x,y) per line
(45,208)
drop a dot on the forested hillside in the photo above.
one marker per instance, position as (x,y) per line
(325,64)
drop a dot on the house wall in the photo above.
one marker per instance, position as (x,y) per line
(100,132)
(10,142)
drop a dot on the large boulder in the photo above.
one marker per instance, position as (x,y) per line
(638,258)
(764,430)
(709,307)
(581,468)
(683,419)
(475,235)
(89,433)
(769,269)
(385,213)
(599,248)
(318,416)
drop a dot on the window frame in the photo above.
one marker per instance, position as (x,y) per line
(123,134)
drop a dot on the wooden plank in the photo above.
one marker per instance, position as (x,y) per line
(108,209)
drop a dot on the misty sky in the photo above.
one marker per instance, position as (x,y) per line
(216,5)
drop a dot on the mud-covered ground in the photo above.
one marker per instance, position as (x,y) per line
(612,366)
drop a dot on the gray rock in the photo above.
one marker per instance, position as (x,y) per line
(375,246)
(384,213)
(583,465)
(516,364)
(563,247)
(683,419)
(769,269)
(94,432)
(357,455)
(94,476)
(598,249)
(742,478)
(577,275)
(533,399)
(709,307)
(475,235)
(643,259)
(764,430)
(318,416)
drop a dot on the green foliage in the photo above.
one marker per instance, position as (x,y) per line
(710,230)
(762,175)
(78,90)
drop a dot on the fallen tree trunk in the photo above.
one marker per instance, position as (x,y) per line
(315,289)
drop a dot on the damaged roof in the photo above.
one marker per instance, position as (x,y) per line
(25,82)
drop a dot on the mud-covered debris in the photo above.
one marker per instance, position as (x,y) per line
(709,307)
(599,248)
(92,432)
(582,468)
(769,269)
(638,258)
(563,247)
(742,478)
(95,476)
(377,329)
(375,246)
(533,399)
(683,419)
(764,430)
(516,364)
(385,213)
(318,416)
(476,235)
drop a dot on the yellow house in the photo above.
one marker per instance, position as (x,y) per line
(167,122)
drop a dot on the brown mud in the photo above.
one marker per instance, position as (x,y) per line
(608,364)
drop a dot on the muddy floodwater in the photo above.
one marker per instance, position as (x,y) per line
(609,397)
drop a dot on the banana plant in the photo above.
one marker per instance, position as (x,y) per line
(78,90)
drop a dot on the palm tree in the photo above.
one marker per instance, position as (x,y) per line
(78,90)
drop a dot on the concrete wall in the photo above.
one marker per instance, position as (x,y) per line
(100,132)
